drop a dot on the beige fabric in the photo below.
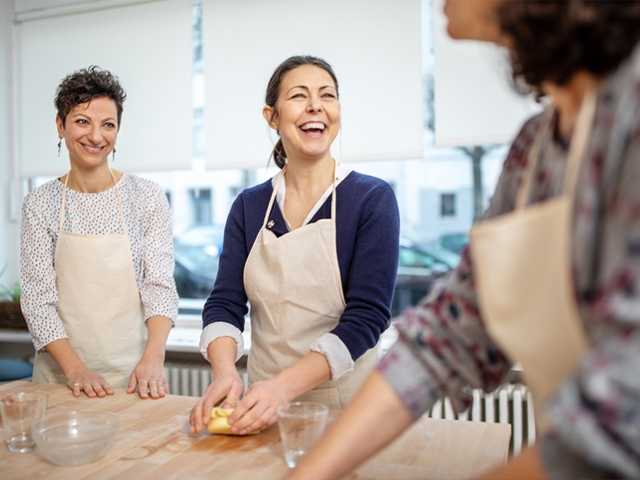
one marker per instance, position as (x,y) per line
(99,304)
(294,287)
(522,267)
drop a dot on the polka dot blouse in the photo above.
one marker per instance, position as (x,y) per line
(148,222)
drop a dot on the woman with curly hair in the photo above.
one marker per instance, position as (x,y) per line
(97,256)
(552,276)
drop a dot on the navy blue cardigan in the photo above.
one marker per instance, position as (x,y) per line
(367,226)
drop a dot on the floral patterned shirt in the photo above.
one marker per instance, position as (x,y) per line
(444,348)
(148,222)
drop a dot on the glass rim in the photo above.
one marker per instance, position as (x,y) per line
(315,409)
(23,396)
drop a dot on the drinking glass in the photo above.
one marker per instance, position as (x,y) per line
(300,425)
(18,412)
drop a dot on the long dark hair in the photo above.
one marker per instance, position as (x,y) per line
(554,39)
(273,91)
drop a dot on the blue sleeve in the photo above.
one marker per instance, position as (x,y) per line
(372,273)
(228,299)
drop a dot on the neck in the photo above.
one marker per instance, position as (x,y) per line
(309,177)
(568,99)
(92,180)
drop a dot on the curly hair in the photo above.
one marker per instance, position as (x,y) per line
(554,39)
(86,84)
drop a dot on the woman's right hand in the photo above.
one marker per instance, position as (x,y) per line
(92,384)
(227,387)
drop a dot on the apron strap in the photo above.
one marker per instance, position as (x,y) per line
(63,203)
(272,199)
(277,185)
(577,150)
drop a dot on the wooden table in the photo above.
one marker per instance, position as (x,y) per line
(154,443)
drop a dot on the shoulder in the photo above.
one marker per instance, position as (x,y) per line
(44,198)
(368,187)
(523,141)
(141,186)
(257,193)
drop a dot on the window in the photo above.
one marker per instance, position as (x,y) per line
(435,196)
(201,208)
(447,204)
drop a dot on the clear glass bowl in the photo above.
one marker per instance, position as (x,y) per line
(74,438)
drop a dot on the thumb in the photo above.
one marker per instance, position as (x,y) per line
(133,381)
(233,396)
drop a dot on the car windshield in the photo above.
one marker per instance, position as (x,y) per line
(429,257)
(198,249)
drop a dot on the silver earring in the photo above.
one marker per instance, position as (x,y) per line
(113,159)
(59,146)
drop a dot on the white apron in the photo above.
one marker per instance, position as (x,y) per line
(522,265)
(98,302)
(294,287)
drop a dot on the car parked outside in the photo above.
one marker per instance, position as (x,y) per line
(197,254)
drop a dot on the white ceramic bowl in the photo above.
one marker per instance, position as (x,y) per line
(74,438)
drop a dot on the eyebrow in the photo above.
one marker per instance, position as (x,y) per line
(304,87)
(78,114)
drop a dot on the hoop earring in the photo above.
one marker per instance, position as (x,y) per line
(113,158)
(59,146)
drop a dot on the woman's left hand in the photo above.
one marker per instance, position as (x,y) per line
(148,379)
(258,409)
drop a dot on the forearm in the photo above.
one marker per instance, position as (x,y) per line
(358,433)
(66,357)
(158,328)
(526,466)
(306,374)
(221,353)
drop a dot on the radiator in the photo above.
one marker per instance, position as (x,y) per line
(510,404)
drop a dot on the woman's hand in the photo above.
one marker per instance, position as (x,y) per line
(227,387)
(149,378)
(258,409)
(92,384)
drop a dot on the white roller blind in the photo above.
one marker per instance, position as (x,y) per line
(148,46)
(373,45)
(474,102)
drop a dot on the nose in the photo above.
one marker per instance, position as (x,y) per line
(95,135)
(314,104)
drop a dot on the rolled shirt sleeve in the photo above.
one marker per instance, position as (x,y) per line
(221,329)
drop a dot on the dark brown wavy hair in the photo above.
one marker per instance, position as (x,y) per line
(86,84)
(273,91)
(554,39)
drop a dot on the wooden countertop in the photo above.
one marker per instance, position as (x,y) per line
(154,443)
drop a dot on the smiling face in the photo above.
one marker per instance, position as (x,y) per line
(307,112)
(90,131)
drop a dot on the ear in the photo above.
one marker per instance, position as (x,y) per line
(271,116)
(59,126)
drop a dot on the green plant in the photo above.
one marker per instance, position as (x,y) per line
(11,293)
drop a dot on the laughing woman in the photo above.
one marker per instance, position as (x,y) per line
(314,250)
(97,256)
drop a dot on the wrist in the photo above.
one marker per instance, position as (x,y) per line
(154,353)
(74,368)
(285,386)
(224,369)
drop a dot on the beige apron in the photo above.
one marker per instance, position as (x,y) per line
(522,265)
(98,302)
(294,287)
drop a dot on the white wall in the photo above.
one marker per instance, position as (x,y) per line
(8,230)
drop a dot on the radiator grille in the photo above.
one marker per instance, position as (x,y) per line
(510,404)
